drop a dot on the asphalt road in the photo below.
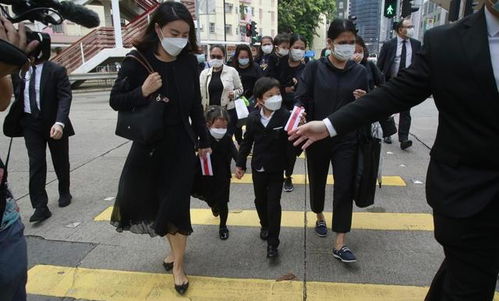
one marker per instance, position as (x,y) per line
(396,259)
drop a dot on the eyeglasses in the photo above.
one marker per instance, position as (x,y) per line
(216,57)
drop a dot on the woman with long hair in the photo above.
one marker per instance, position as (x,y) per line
(154,190)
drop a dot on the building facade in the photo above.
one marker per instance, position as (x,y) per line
(432,15)
(368,13)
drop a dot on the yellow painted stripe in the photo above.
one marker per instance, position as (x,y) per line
(112,285)
(300,179)
(295,219)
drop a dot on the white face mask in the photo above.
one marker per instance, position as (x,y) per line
(410,32)
(218,133)
(343,52)
(297,54)
(273,103)
(244,62)
(283,52)
(216,63)
(267,49)
(173,46)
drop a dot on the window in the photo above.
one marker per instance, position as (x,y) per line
(58,28)
(340,5)
(228,8)
(228,29)
(212,27)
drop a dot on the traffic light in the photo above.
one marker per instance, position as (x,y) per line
(390,8)
(254,32)
(408,8)
(249,30)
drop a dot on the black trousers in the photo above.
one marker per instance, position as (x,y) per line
(36,143)
(291,167)
(342,153)
(404,125)
(471,265)
(268,190)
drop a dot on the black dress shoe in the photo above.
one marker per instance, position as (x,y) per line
(40,215)
(168,266)
(405,144)
(224,233)
(65,200)
(182,289)
(264,233)
(272,252)
(387,140)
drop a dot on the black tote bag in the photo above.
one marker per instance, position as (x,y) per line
(143,124)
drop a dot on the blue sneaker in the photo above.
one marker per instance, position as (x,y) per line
(344,254)
(321,228)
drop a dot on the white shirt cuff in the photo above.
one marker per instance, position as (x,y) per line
(61,124)
(330,127)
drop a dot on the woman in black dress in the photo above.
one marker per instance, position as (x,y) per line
(154,190)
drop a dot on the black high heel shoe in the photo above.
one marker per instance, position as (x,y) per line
(182,288)
(168,266)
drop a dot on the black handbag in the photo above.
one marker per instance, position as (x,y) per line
(143,124)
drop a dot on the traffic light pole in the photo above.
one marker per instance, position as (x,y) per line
(225,26)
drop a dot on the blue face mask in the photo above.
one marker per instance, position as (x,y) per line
(244,62)
(201,58)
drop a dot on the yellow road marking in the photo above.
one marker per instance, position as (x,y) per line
(300,179)
(295,219)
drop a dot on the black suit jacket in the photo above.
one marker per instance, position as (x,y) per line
(271,148)
(463,176)
(387,55)
(55,102)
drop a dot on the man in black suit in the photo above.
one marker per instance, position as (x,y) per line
(396,55)
(40,114)
(459,65)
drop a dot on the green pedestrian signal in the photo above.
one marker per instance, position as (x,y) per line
(390,8)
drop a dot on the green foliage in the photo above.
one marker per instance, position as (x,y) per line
(303,16)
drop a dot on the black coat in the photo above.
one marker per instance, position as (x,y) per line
(187,81)
(271,147)
(55,102)
(463,175)
(389,51)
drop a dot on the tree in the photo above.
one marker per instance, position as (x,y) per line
(303,16)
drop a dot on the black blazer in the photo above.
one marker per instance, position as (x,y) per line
(271,148)
(187,81)
(55,102)
(463,176)
(389,51)
(224,151)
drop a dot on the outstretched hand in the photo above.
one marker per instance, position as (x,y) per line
(308,134)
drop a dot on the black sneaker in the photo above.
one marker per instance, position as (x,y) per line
(40,215)
(344,254)
(224,233)
(288,185)
(264,233)
(272,252)
(321,228)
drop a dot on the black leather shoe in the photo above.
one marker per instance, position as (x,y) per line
(224,233)
(65,200)
(387,140)
(272,252)
(264,233)
(182,289)
(40,215)
(168,266)
(405,144)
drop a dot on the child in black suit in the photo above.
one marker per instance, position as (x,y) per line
(271,152)
(215,189)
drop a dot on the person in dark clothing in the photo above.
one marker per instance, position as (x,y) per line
(395,55)
(155,185)
(462,182)
(325,86)
(265,50)
(271,151)
(215,190)
(287,72)
(375,79)
(281,49)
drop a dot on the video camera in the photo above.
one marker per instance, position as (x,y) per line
(47,12)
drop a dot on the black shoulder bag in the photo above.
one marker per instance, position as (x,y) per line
(143,124)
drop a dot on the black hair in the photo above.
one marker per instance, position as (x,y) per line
(216,112)
(360,41)
(263,85)
(339,26)
(260,51)
(399,25)
(219,47)
(281,38)
(167,12)
(239,48)
(295,38)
